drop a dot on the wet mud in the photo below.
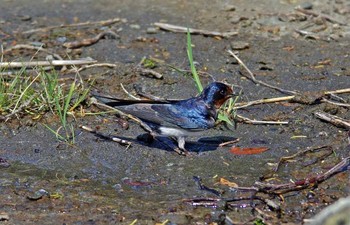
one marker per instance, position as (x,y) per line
(97,181)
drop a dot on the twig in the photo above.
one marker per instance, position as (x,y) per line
(180,29)
(308,34)
(115,139)
(88,23)
(252,77)
(300,153)
(335,120)
(150,72)
(229,142)
(335,103)
(128,93)
(31,47)
(240,105)
(38,48)
(315,14)
(90,41)
(250,121)
(339,91)
(304,183)
(84,67)
(144,71)
(46,63)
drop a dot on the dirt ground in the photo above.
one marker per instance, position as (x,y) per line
(97,181)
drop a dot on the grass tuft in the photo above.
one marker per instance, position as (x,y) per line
(23,94)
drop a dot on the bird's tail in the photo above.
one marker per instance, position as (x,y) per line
(114,102)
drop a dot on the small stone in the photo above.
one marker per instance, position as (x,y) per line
(25,18)
(135,26)
(229,8)
(306,5)
(61,39)
(239,45)
(151,30)
(237,19)
(4,216)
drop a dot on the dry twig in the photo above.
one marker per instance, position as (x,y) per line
(115,139)
(88,23)
(90,41)
(252,77)
(315,14)
(304,183)
(301,153)
(335,103)
(250,121)
(180,29)
(46,63)
(335,120)
(240,105)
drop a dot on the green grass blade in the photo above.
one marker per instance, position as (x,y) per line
(193,68)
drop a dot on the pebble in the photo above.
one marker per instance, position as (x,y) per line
(306,5)
(151,30)
(239,45)
(230,8)
(135,26)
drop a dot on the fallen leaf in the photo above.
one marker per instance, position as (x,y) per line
(228,183)
(248,151)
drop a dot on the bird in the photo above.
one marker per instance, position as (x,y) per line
(177,118)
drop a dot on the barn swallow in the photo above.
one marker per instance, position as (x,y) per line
(181,118)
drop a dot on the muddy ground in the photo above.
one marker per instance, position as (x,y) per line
(97,181)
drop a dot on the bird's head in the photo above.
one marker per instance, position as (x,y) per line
(216,94)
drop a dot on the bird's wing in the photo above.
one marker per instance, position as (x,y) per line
(194,118)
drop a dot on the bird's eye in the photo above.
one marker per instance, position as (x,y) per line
(223,92)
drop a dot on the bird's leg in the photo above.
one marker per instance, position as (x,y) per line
(181,144)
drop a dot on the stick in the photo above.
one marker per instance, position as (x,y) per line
(128,93)
(38,48)
(300,153)
(84,67)
(180,29)
(312,13)
(31,47)
(335,103)
(240,105)
(335,120)
(90,41)
(150,72)
(115,139)
(340,91)
(229,142)
(250,121)
(46,63)
(252,77)
(88,23)
(304,183)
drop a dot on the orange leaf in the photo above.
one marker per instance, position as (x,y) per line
(248,151)
(223,181)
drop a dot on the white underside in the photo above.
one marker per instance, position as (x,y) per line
(175,132)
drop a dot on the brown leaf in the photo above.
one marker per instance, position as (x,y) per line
(223,181)
(248,151)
